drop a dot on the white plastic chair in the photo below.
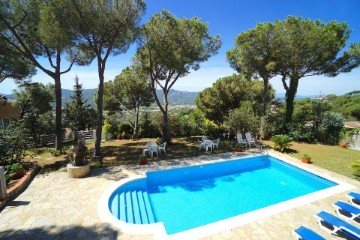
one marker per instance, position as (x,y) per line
(240,139)
(216,143)
(151,148)
(205,143)
(162,147)
(250,140)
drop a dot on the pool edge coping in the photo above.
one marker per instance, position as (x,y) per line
(158,229)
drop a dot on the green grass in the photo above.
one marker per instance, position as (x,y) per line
(122,152)
(333,158)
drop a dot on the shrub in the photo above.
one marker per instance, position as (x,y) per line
(355,167)
(331,126)
(13,143)
(54,152)
(281,142)
(147,128)
(12,169)
(213,130)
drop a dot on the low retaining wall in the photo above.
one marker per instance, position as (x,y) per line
(20,185)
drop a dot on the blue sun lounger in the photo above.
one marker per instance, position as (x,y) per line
(350,211)
(304,233)
(337,224)
(354,198)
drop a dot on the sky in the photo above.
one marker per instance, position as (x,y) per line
(228,18)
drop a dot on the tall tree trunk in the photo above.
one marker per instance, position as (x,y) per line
(58,111)
(289,98)
(165,128)
(265,99)
(101,69)
(265,95)
(136,125)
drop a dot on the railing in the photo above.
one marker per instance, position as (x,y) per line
(49,139)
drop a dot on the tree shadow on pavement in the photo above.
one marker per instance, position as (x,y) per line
(97,231)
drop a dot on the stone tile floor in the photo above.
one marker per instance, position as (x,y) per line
(57,207)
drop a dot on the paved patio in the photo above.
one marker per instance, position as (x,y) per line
(56,207)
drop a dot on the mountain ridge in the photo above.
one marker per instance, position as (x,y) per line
(176,97)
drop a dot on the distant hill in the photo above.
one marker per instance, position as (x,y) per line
(175,97)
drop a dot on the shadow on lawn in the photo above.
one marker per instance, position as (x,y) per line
(117,153)
(97,231)
(288,151)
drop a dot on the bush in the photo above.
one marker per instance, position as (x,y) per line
(147,128)
(13,143)
(355,167)
(213,130)
(109,130)
(54,152)
(331,126)
(12,169)
(302,132)
(281,142)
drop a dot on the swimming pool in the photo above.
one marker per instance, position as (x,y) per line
(191,197)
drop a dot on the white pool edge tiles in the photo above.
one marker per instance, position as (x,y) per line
(158,229)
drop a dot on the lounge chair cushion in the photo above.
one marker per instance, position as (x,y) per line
(305,233)
(340,224)
(347,208)
(355,195)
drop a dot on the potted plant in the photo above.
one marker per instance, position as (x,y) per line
(143,160)
(78,167)
(343,145)
(306,158)
(239,148)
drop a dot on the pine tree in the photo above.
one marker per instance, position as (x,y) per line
(77,110)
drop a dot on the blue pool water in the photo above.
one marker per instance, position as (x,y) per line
(189,197)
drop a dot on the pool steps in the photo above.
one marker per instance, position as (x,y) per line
(134,207)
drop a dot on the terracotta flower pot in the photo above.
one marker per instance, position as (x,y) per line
(238,149)
(143,161)
(343,145)
(305,160)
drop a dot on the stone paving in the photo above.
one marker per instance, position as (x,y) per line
(57,207)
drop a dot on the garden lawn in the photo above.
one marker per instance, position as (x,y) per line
(333,158)
(122,152)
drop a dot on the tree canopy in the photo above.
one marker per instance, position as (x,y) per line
(169,48)
(104,28)
(227,94)
(253,57)
(294,48)
(311,48)
(77,112)
(32,29)
(127,93)
(34,104)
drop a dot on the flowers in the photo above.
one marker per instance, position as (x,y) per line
(78,154)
